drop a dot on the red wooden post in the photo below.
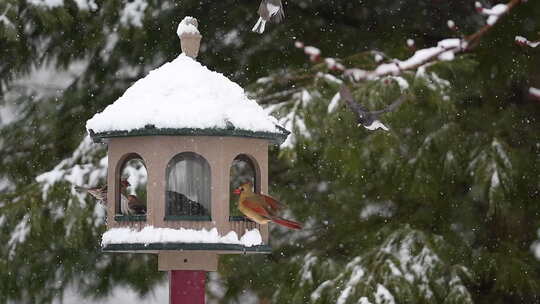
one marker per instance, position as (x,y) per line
(187,286)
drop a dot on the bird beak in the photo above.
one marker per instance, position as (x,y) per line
(237,191)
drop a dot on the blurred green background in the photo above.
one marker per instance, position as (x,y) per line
(443,208)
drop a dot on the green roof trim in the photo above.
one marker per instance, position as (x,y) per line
(239,218)
(186,246)
(277,138)
(197,218)
(130,218)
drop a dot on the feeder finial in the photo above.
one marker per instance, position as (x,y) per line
(190,38)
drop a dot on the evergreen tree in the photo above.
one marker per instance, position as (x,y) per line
(440,209)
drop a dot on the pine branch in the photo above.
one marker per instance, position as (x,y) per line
(445,50)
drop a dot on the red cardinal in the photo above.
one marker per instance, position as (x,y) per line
(260,208)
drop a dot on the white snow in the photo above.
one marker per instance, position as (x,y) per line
(232,38)
(403,84)
(312,52)
(383,296)
(4,19)
(183,94)
(85,174)
(524,41)
(494,13)
(382,209)
(447,56)
(329,78)
(495,181)
(408,258)
(119,294)
(364,300)
(333,64)
(250,238)
(449,43)
(187,27)
(535,246)
(316,294)
(334,103)
(133,12)
(356,275)
(444,50)
(152,234)
(47,3)
(87,4)
(356,74)
(19,234)
(306,274)
(534,92)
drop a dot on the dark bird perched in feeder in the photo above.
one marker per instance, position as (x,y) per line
(260,208)
(179,204)
(135,206)
(100,192)
(368,119)
(269,11)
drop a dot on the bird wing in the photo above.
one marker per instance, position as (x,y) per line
(356,107)
(391,107)
(256,207)
(279,14)
(346,94)
(275,205)
(263,11)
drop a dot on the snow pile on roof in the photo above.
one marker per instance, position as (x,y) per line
(183,94)
(152,234)
(187,26)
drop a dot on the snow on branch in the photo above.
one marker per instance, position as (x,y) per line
(525,42)
(534,92)
(444,50)
(493,13)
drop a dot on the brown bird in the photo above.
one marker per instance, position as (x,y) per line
(100,192)
(260,208)
(135,206)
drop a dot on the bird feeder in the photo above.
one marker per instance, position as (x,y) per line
(197,136)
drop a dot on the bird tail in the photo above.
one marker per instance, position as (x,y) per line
(286,223)
(259,26)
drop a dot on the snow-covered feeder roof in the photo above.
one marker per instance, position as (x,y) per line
(183,97)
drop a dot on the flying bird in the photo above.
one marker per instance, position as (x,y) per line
(269,11)
(368,119)
(260,208)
